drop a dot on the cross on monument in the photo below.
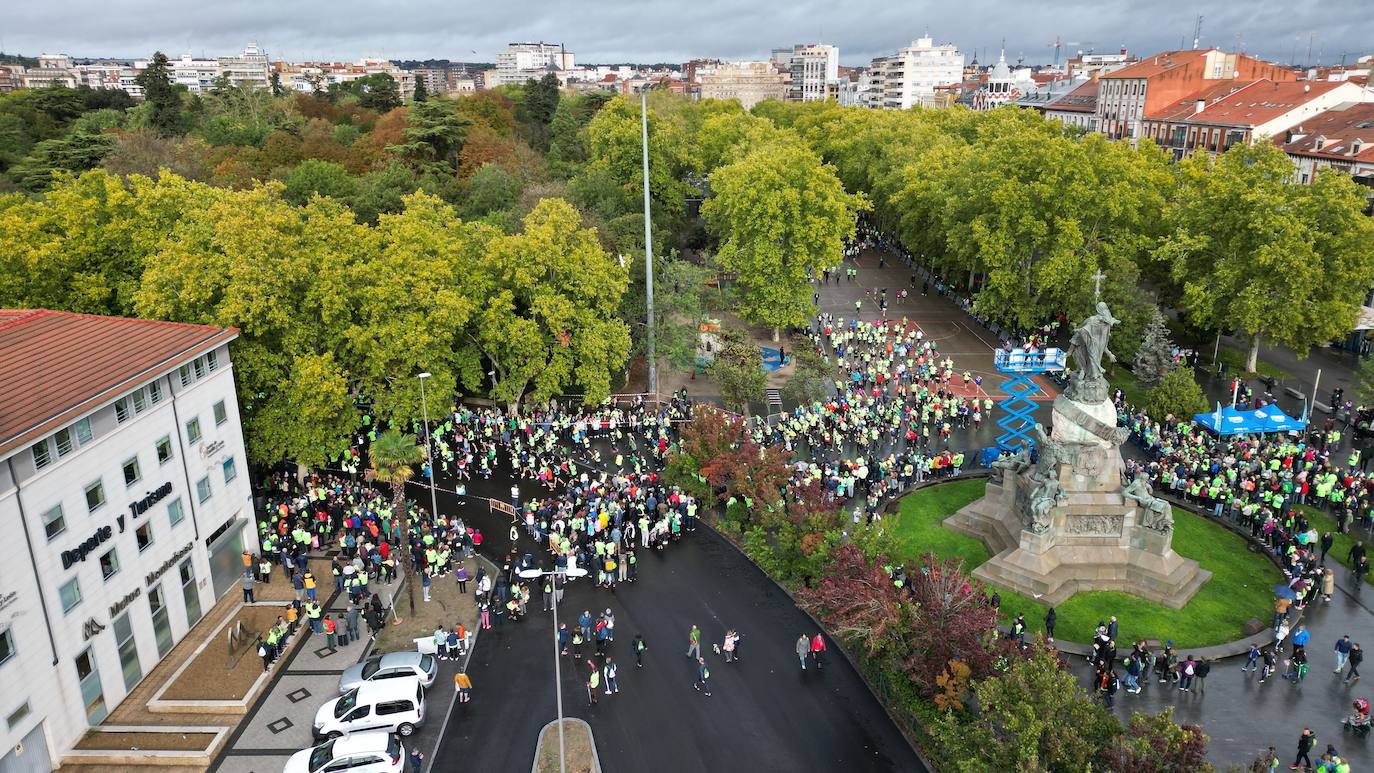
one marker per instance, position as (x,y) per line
(1097,284)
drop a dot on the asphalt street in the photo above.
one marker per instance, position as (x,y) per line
(764,712)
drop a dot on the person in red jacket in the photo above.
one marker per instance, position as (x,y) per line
(817,649)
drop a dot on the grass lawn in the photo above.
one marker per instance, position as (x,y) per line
(1240,587)
(1234,360)
(1123,379)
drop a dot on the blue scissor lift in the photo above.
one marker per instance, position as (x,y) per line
(1017,407)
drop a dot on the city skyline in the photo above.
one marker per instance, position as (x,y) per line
(423,30)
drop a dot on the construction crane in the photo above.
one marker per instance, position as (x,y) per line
(1058,44)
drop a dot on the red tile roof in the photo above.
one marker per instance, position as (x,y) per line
(1154,65)
(1081,100)
(1185,107)
(1262,102)
(1340,128)
(55,365)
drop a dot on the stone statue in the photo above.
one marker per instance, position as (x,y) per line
(1012,465)
(1051,452)
(1087,347)
(1043,498)
(1156,513)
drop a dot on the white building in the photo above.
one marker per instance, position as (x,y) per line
(749,82)
(52,70)
(249,69)
(1003,86)
(523,61)
(124,489)
(813,68)
(913,76)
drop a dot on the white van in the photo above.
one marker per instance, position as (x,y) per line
(394,705)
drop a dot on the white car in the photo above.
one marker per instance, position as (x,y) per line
(393,705)
(358,753)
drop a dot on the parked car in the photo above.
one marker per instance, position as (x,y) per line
(393,665)
(376,752)
(393,705)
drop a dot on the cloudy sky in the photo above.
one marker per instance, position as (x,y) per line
(660,30)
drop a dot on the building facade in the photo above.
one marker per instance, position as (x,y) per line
(123,480)
(913,76)
(522,61)
(813,67)
(749,82)
(1340,139)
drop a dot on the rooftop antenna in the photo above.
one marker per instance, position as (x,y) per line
(1197,32)
(1310,37)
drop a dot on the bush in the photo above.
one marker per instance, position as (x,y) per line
(1178,394)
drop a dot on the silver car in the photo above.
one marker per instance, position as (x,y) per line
(392,665)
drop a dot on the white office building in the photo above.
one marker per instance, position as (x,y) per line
(913,76)
(125,500)
(522,61)
(813,68)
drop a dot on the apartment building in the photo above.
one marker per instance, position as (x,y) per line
(913,76)
(749,82)
(813,68)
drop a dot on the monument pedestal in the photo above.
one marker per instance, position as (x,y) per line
(1066,525)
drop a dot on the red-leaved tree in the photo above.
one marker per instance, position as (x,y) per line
(953,621)
(1154,742)
(856,601)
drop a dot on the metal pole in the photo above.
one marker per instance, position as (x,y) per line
(429,450)
(1315,382)
(558,676)
(648,243)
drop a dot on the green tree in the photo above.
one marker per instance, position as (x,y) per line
(381,192)
(434,132)
(275,84)
(1155,743)
(326,178)
(1259,255)
(378,91)
(1155,357)
(75,152)
(538,107)
(781,217)
(738,371)
(394,455)
(421,93)
(490,189)
(161,95)
(1034,718)
(809,377)
(547,321)
(1177,394)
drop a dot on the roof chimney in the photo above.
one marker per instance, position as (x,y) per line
(1200,106)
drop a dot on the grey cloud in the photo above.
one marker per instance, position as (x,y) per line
(657,30)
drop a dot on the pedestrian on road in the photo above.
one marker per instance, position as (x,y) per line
(593,682)
(609,670)
(728,647)
(1355,658)
(1305,742)
(1201,670)
(803,648)
(247,582)
(584,621)
(463,684)
(703,673)
(818,650)
(639,647)
(1326,542)
(1270,659)
(563,638)
(417,760)
(1251,658)
(1342,649)
(694,643)
(1328,584)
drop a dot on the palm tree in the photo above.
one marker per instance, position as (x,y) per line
(394,455)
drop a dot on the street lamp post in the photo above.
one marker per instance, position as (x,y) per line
(429,448)
(534,574)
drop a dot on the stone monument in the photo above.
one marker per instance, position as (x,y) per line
(1066,523)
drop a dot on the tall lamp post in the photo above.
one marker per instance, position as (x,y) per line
(534,574)
(429,448)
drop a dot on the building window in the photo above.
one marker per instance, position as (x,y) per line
(203,491)
(83,431)
(155,392)
(184,373)
(63,439)
(109,564)
(198,366)
(6,648)
(122,410)
(18,715)
(212,361)
(70,593)
(144,536)
(164,450)
(193,431)
(128,651)
(175,512)
(221,414)
(95,496)
(131,471)
(53,522)
(41,457)
(229,470)
(140,401)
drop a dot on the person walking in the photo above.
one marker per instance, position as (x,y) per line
(728,646)
(247,581)
(703,674)
(1305,743)
(1201,670)
(609,670)
(461,575)
(1187,670)
(694,642)
(265,652)
(1354,659)
(593,682)
(1251,658)
(1050,619)
(803,648)
(639,646)
(1342,650)
(463,683)
(818,650)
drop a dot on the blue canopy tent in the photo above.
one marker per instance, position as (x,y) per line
(1232,421)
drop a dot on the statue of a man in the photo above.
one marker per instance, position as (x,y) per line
(1042,499)
(1087,347)
(1157,513)
(1012,465)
